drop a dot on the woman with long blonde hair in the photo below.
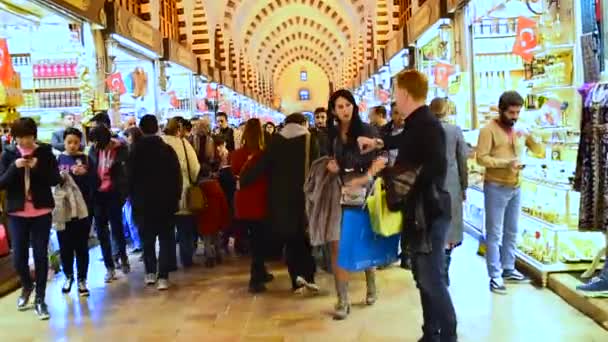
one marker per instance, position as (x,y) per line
(251,201)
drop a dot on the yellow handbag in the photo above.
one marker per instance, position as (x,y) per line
(384,222)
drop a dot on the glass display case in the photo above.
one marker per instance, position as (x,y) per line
(549,240)
(435,57)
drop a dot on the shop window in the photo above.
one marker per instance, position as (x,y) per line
(304,95)
(303,75)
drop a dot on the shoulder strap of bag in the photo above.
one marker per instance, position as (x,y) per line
(187,160)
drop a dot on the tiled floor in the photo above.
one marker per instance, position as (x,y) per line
(213,305)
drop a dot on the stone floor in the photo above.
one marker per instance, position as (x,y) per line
(213,305)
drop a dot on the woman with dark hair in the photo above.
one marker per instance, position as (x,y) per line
(133,134)
(28,170)
(250,202)
(285,162)
(74,239)
(357,172)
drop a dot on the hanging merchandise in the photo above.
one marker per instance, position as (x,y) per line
(133,49)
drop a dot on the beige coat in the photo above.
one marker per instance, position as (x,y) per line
(186,155)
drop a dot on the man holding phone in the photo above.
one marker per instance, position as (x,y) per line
(499,149)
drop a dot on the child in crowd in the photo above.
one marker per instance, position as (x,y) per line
(74,240)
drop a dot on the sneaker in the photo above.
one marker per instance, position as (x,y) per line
(312,287)
(67,285)
(110,276)
(42,310)
(513,276)
(150,279)
(83,291)
(24,299)
(497,285)
(596,287)
(163,285)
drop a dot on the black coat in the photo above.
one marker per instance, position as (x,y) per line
(42,177)
(283,162)
(118,171)
(321,135)
(156,180)
(422,144)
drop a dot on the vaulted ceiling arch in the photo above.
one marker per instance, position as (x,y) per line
(279,69)
(312,43)
(302,25)
(303,50)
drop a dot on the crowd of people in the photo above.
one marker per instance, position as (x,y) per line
(185,183)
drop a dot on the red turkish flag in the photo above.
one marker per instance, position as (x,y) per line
(211,93)
(115,83)
(173,100)
(526,39)
(443,71)
(6,64)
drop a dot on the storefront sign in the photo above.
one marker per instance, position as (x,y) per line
(526,39)
(126,24)
(177,53)
(424,17)
(90,10)
(396,44)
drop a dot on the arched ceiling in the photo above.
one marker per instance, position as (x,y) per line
(266,30)
(274,54)
(319,58)
(258,40)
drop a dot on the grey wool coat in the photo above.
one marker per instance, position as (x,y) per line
(456,181)
(323,209)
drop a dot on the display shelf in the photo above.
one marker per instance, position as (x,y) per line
(44,109)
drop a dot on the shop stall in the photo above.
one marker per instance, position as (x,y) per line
(180,65)
(49,51)
(530,47)
(48,54)
(205,92)
(133,50)
(433,35)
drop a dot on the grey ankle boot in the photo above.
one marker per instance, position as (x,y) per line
(372,292)
(342,309)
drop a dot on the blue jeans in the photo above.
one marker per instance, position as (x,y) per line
(35,231)
(429,272)
(502,205)
(186,231)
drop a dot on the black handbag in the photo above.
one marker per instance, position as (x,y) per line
(399,182)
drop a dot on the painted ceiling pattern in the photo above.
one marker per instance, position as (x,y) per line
(257,40)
